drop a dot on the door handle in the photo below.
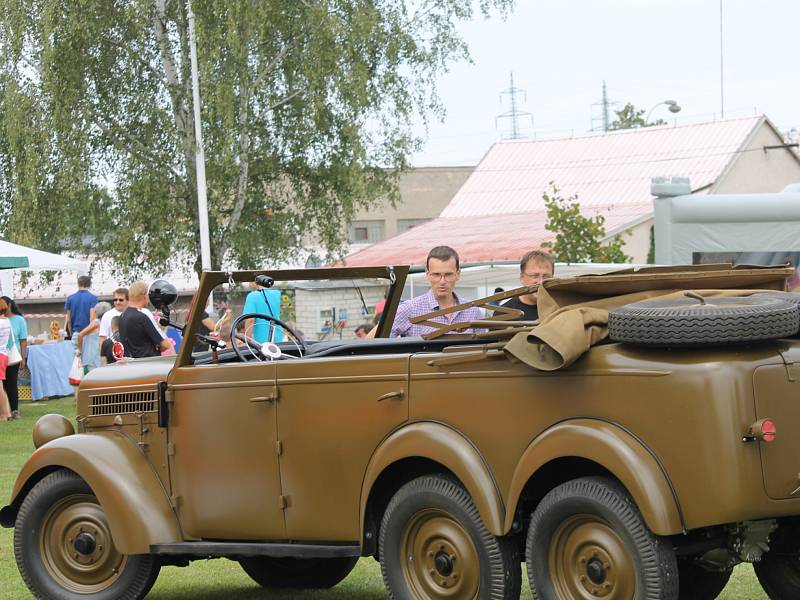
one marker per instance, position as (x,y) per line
(267,399)
(392,396)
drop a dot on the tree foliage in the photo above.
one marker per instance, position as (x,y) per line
(579,238)
(307,109)
(629,117)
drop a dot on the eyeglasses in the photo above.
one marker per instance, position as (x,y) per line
(119,300)
(537,275)
(445,276)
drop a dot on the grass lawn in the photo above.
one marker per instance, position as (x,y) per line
(222,579)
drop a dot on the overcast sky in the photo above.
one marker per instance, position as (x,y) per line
(647,51)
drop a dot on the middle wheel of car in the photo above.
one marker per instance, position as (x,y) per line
(699,321)
(434,546)
(587,539)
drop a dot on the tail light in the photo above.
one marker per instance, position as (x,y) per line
(763,430)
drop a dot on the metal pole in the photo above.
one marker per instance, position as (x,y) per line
(721,72)
(200,158)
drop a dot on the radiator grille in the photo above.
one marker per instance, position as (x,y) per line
(130,402)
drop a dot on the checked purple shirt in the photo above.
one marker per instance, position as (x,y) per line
(426,303)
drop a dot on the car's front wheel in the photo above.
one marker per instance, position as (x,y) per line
(64,549)
(434,546)
(587,540)
(297,573)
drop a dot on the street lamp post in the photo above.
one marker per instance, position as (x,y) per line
(200,159)
(673,108)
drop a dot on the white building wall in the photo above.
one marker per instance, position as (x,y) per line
(759,170)
(310,303)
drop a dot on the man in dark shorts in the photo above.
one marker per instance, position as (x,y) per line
(534,268)
(137,330)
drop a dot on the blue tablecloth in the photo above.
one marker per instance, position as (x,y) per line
(49,365)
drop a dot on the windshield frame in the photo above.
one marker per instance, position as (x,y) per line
(395,275)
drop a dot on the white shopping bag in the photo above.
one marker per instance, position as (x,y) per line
(76,371)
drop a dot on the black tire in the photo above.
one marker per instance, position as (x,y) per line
(790,297)
(778,571)
(587,539)
(433,545)
(298,573)
(698,584)
(57,510)
(688,322)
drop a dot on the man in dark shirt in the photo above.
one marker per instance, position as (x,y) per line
(534,268)
(137,331)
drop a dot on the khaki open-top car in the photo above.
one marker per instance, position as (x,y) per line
(642,468)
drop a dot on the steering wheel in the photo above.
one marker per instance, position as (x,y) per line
(254,346)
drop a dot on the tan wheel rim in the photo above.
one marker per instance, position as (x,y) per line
(588,559)
(76,547)
(439,559)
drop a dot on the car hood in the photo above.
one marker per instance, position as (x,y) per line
(138,371)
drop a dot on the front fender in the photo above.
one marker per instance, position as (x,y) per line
(618,451)
(135,503)
(452,450)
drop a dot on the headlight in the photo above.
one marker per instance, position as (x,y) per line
(51,427)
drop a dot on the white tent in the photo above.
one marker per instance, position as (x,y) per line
(38,260)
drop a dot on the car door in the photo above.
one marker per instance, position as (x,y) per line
(222,447)
(332,414)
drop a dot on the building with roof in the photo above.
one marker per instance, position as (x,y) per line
(424,193)
(499,212)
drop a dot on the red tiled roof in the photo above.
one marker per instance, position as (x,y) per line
(499,213)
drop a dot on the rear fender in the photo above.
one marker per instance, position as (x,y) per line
(135,503)
(449,448)
(616,450)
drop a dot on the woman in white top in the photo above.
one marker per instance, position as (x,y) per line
(5,334)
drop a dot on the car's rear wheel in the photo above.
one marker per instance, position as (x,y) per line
(433,545)
(64,548)
(298,573)
(778,571)
(698,584)
(587,539)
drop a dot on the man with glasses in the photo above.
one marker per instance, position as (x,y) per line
(534,268)
(443,272)
(120,302)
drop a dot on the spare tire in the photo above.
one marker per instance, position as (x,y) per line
(697,321)
(790,297)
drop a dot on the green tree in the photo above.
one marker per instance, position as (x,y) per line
(578,238)
(629,117)
(307,112)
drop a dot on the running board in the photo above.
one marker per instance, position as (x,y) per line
(212,549)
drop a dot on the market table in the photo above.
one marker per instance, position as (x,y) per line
(49,365)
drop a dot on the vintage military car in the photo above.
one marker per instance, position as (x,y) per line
(639,469)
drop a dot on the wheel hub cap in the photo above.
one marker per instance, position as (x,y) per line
(596,571)
(76,546)
(587,559)
(441,561)
(444,564)
(85,543)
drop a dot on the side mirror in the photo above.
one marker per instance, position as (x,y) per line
(162,294)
